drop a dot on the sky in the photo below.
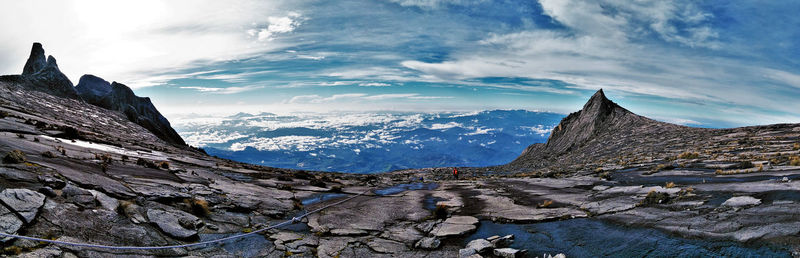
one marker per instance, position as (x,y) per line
(698,63)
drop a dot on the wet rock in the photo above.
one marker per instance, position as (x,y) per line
(455,226)
(740,201)
(175,223)
(480,245)
(25,202)
(428,243)
(508,252)
(105,201)
(386,246)
(500,242)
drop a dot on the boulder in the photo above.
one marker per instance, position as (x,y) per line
(740,201)
(23,201)
(175,223)
(428,243)
(79,196)
(105,201)
(508,252)
(480,245)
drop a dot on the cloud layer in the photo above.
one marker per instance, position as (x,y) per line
(717,62)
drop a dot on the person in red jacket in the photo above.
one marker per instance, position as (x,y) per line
(455,173)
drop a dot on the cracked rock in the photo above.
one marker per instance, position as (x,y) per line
(23,201)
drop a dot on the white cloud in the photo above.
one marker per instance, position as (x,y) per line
(277,25)
(229,77)
(374,84)
(434,4)
(141,43)
(310,57)
(223,90)
(391,96)
(317,99)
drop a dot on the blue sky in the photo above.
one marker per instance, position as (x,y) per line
(701,63)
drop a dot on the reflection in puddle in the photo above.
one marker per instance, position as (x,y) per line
(595,238)
(321,197)
(406,187)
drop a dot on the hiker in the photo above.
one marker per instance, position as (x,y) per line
(455,173)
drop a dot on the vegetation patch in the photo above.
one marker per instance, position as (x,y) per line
(689,155)
(14,157)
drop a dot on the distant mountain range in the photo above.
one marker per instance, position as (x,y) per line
(371,142)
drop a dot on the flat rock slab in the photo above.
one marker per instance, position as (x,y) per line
(740,201)
(455,226)
(23,201)
(386,246)
(465,220)
(177,224)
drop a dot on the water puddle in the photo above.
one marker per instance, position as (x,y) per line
(429,203)
(249,246)
(321,197)
(406,187)
(595,238)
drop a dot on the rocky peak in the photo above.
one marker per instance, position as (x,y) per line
(90,85)
(116,96)
(36,61)
(598,115)
(43,75)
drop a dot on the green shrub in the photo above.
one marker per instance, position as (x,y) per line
(14,157)
(689,155)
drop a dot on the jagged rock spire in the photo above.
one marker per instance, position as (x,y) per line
(36,61)
(43,75)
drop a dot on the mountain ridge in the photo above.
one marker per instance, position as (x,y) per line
(44,75)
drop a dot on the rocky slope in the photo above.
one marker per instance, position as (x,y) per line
(118,97)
